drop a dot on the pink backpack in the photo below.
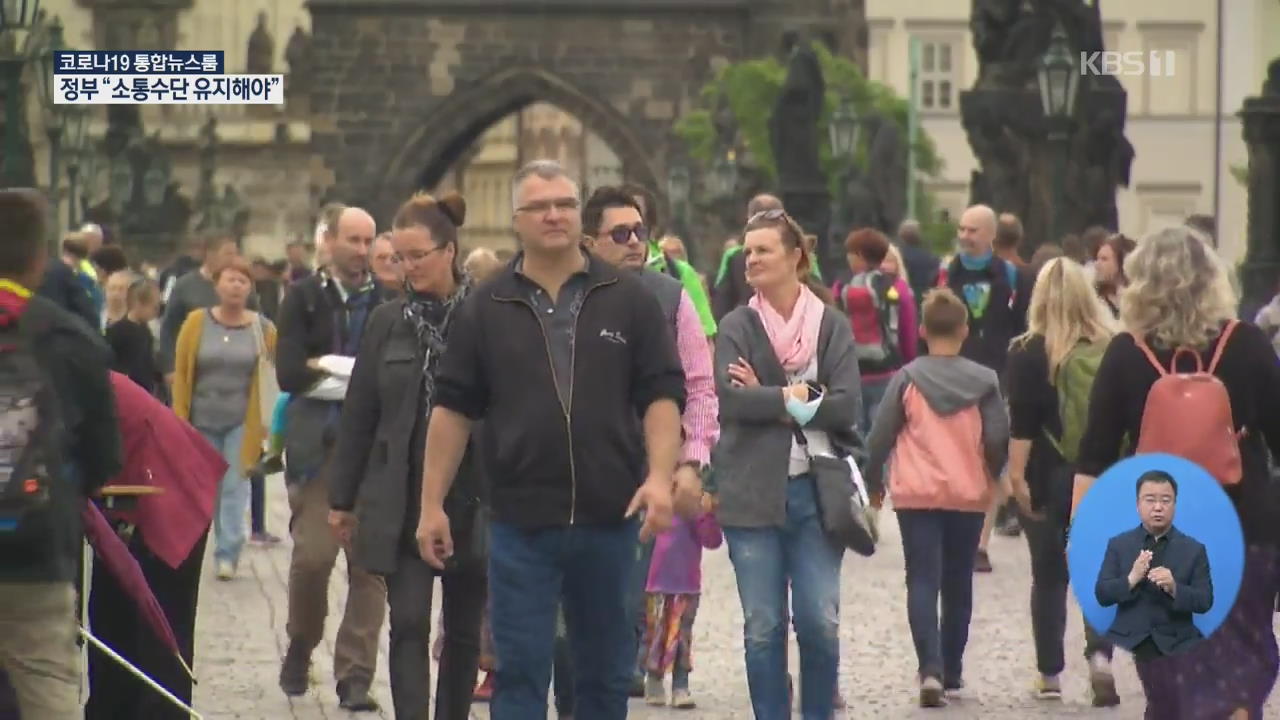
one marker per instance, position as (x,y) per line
(1189,414)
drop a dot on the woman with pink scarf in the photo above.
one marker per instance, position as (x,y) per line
(788,385)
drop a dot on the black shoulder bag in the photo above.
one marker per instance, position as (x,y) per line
(845,518)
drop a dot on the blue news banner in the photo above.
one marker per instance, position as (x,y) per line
(149,77)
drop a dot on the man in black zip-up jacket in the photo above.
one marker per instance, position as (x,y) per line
(559,354)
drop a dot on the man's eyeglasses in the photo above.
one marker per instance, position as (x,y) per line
(1157,499)
(622,234)
(542,207)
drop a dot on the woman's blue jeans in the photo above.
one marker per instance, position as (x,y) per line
(766,561)
(233,496)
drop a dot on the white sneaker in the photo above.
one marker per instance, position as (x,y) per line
(226,570)
(654,692)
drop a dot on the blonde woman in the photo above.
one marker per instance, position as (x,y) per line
(894,266)
(215,388)
(1180,297)
(1065,320)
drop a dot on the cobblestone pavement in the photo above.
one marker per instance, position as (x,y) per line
(240,638)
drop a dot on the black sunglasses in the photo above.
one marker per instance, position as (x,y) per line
(775,214)
(622,234)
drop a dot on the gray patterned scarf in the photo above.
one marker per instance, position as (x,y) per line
(431,317)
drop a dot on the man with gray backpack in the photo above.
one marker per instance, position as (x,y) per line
(58,444)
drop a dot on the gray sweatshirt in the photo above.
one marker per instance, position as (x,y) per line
(949,384)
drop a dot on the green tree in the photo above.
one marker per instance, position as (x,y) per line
(751,87)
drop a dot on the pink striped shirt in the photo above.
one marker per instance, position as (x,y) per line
(701,417)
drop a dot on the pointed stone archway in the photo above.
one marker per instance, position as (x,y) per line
(442,137)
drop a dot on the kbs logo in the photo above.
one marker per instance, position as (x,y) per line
(1156,63)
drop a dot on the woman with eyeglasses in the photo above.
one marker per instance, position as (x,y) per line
(376,475)
(787,379)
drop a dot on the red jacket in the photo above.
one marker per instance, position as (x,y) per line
(162,450)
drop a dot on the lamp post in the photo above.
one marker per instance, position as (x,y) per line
(678,190)
(74,136)
(54,119)
(724,176)
(1058,79)
(17,18)
(845,128)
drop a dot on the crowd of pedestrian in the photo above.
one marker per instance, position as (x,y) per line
(560,434)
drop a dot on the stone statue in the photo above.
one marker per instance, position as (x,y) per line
(793,126)
(887,171)
(298,55)
(1005,160)
(262,49)
(1271,86)
(859,208)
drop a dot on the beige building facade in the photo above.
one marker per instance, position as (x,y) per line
(1174,121)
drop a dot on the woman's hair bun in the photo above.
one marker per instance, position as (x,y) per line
(454,206)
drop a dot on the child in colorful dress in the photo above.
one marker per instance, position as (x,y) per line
(671,604)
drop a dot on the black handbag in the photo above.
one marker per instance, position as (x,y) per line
(845,518)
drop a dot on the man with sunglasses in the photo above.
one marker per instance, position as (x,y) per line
(615,232)
(660,260)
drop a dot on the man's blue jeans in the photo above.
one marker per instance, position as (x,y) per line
(765,561)
(233,496)
(531,572)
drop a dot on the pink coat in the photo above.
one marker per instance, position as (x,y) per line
(938,462)
(161,449)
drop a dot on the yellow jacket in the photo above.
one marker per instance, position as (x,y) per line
(184,375)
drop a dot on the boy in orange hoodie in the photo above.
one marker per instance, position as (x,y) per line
(944,430)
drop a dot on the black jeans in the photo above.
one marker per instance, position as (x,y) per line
(409,592)
(1046,540)
(116,620)
(257,504)
(940,548)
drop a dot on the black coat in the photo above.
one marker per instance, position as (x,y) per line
(377,465)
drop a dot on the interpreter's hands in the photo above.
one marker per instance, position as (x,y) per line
(1141,565)
(687,495)
(343,526)
(654,497)
(435,541)
(741,374)
(1163,579)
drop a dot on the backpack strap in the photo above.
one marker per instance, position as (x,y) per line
(1151,356)
(1222,345)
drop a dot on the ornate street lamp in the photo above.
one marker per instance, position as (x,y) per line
(679,192)
(54,117)
(74,140)
(1058,77)
(845,128)
(17,19)
(723,180)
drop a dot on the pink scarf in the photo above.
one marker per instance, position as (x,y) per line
(794,340)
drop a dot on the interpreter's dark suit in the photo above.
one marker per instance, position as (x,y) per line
(1146,611)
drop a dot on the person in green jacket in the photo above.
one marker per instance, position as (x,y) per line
(675,267)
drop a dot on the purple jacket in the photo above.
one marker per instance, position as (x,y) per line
(676,568)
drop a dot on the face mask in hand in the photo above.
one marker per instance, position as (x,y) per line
(803,412)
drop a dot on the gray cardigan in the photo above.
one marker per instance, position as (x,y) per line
(751,460)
